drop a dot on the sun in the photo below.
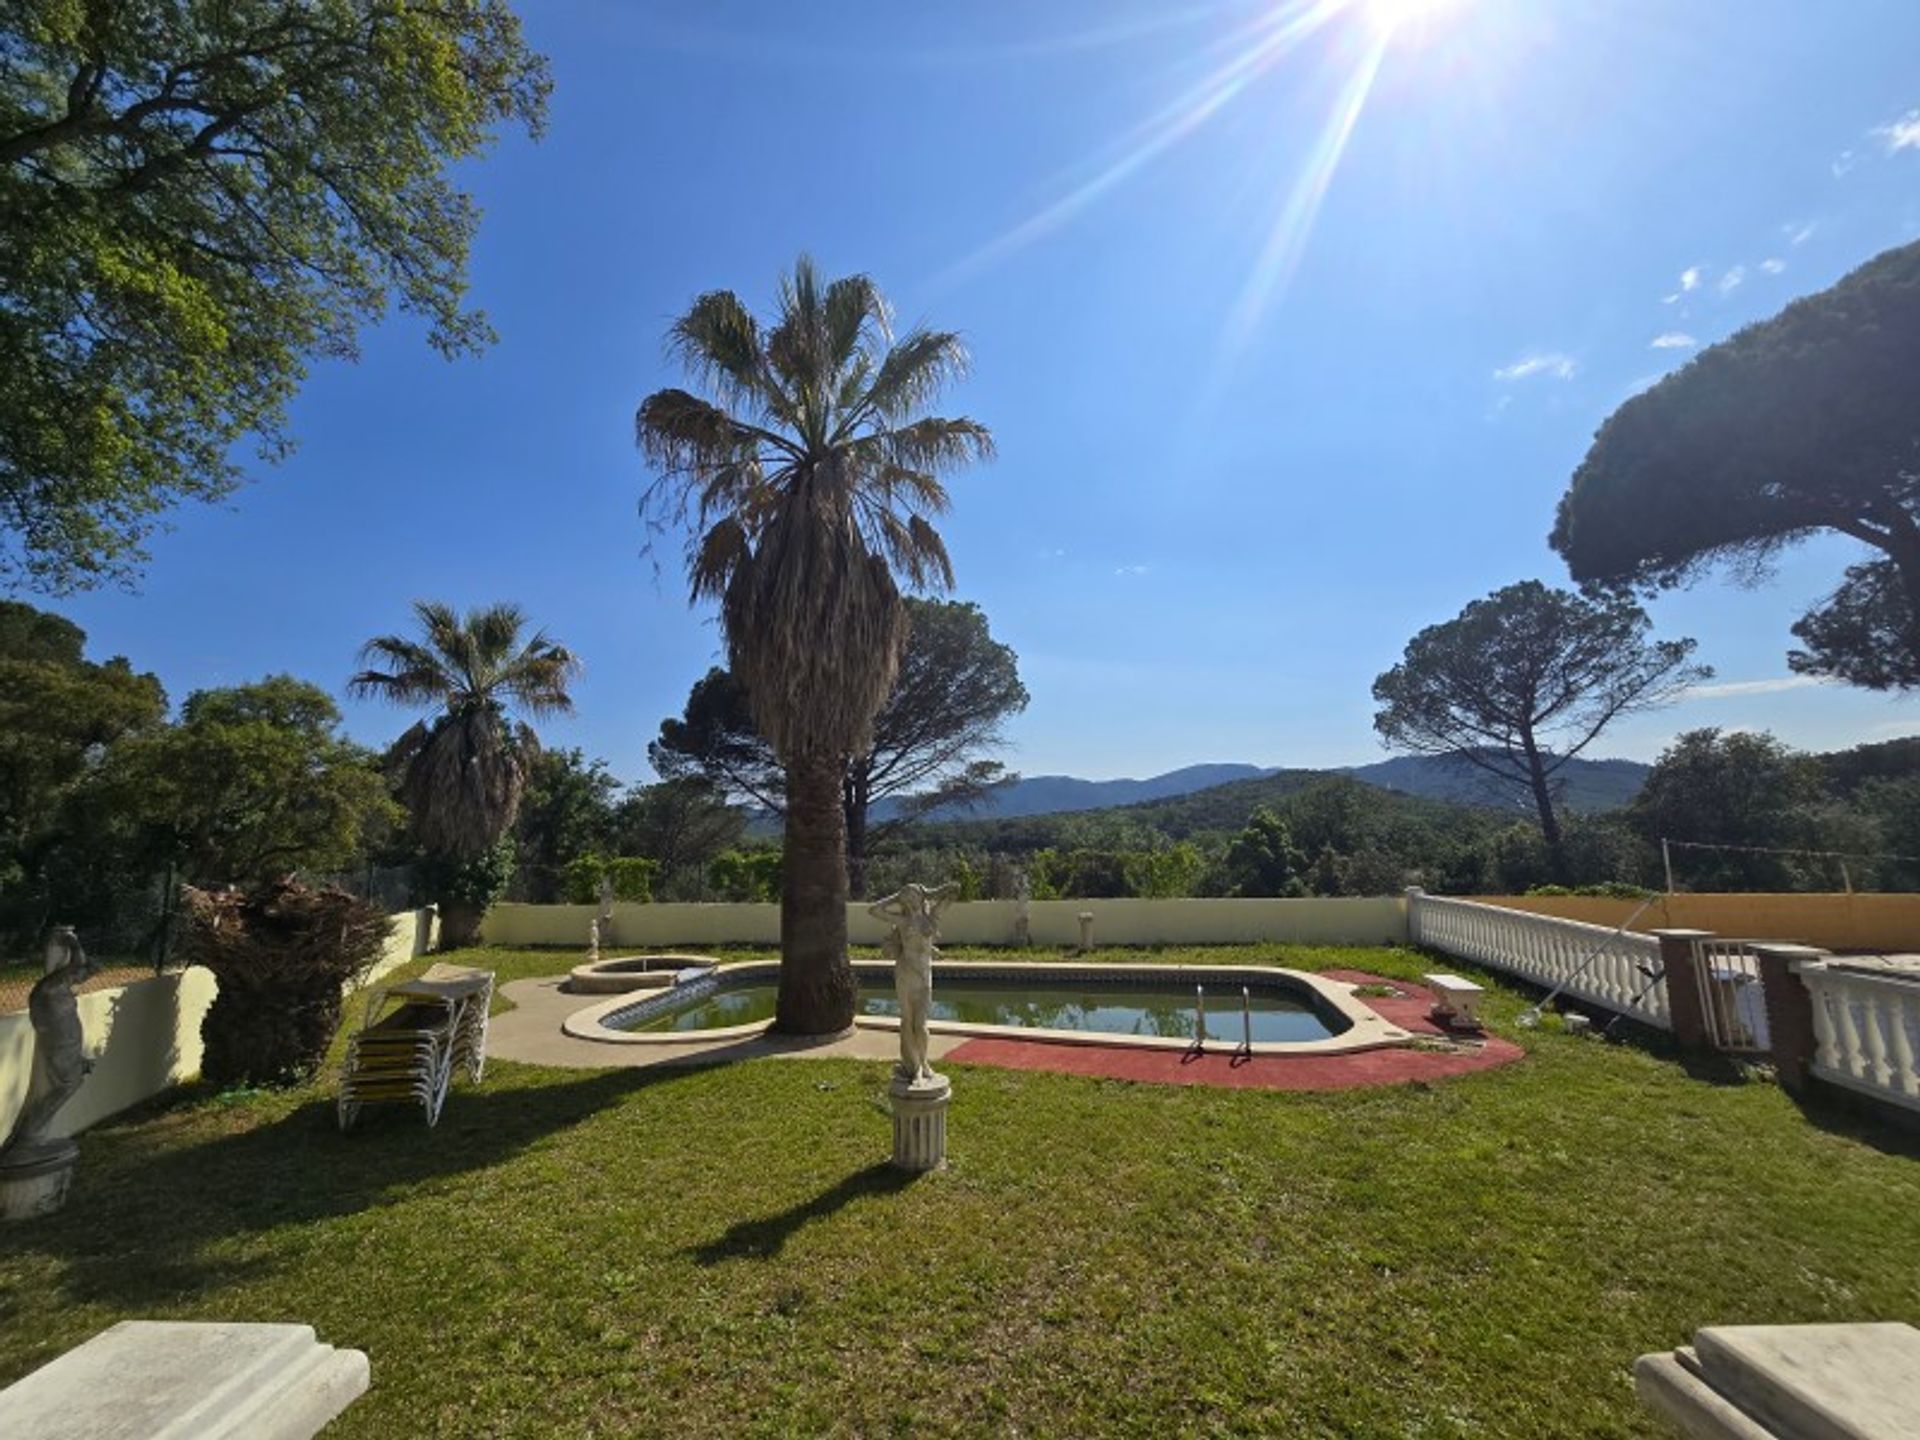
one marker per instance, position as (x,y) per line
(1391,17)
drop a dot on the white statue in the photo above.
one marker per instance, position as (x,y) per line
(604,921)
(915,913)
(59,1056)
(593,942)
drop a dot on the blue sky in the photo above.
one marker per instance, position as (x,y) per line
(1266,402)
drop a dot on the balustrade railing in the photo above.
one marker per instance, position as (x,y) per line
(1866,1027)
(1549,952)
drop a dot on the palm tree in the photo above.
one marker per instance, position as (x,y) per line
(803,481)
(461,772)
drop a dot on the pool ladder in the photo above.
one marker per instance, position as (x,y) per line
(1243,1052)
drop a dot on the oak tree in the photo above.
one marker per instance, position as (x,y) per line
(197,198)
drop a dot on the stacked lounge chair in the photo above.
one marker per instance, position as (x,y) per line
(409,1053)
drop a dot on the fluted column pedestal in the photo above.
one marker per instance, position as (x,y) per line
(920,1122)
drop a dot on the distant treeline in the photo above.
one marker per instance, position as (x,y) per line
(1783,820)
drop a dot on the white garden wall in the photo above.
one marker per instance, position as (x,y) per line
(145,1036)
(1371,921)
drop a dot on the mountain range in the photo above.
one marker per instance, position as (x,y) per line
(1590,785)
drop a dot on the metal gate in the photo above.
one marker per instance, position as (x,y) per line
(1732,999)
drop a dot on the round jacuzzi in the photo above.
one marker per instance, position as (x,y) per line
(635,972)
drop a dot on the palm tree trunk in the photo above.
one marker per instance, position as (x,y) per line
(816,982)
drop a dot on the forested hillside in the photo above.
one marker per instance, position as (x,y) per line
(1743,811)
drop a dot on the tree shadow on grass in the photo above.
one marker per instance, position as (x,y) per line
(764,1238)
(148,1214)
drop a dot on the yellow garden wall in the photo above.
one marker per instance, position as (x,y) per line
(975,922)
(1831,922)
(145,1036)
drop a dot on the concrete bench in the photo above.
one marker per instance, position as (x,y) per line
(176,1380)
(1456,1001)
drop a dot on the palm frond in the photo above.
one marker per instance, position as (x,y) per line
(719,340)
(721,551)
(855,315)
(937,445)
(409,673)
(920,365)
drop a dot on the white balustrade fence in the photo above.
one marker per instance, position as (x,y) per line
(1547,951)
(1866,1028)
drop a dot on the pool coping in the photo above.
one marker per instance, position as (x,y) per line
(1367,1029)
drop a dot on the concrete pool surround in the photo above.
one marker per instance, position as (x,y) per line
(1365,1028)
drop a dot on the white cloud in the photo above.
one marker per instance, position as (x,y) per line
(1642,385)
(1689,279)
(1131,570)
(1730,281)
(1799,234)
(1726,689)
(1773,266)
(1551,363)
(1901,134)
(1674,340)
(1051,555)
(1843,162)
(1672,299)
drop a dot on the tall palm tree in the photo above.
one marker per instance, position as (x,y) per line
(803,480)
(462,771)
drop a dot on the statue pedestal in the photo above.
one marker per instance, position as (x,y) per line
(151,1379)
(920,1122)
(35,1182)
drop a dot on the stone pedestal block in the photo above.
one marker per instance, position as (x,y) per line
(920,1122)
(35,1182)
(175,1380)
(1789,1382)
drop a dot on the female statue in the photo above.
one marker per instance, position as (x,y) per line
(915,913)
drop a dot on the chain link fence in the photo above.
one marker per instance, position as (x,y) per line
(127,933)
(128,929)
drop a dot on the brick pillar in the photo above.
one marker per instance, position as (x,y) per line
(1789,1013)
(1683,987)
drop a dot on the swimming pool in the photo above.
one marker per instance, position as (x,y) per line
(1278,1011)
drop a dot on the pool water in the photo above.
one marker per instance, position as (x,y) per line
(1161,1009)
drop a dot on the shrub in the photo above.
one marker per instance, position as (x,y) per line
(632,877)
(752,875)
(283,955)
(580,879)
(1610,890)
(1109,874)
(966,880)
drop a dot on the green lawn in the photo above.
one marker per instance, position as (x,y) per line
(720,1252)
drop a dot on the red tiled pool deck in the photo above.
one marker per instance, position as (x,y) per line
(1391,1066)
